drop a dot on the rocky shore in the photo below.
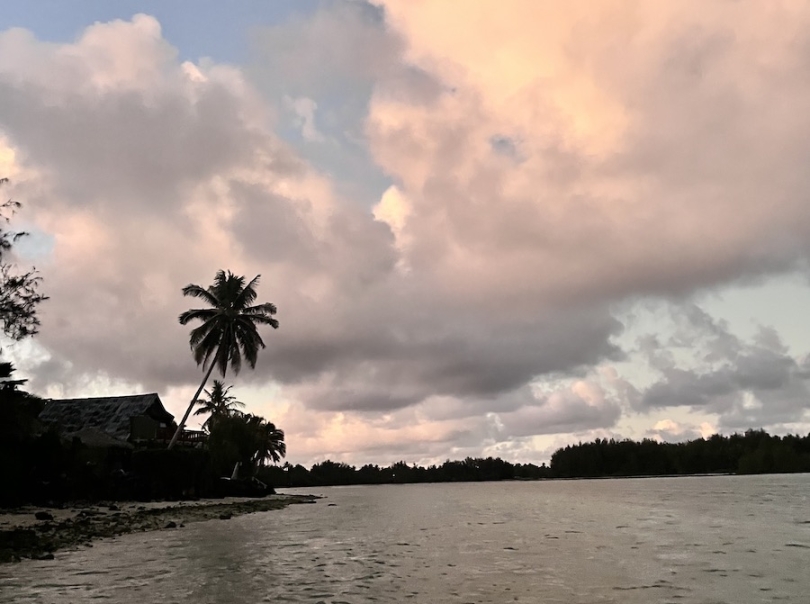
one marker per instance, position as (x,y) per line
(39,532)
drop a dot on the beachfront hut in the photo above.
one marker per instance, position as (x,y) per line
(109,421)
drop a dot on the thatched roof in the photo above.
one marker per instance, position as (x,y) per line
(93,437)
(111,415)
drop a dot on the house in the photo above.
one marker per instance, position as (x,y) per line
(116,421)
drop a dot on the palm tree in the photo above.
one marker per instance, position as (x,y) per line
(246,441)
(229,328)
(269,443)
(218,404)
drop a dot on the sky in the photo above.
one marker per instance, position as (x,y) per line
(489,231)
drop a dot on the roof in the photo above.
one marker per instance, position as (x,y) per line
(93,437)
(110,414)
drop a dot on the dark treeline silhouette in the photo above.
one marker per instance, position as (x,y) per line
(755,452)
(337,473)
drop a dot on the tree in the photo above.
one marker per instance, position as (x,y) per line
(246,439)
(229,328)
(18,291)
(218,404)
(269,441)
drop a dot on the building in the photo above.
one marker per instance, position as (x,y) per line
(122,421)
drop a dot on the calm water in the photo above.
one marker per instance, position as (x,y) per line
(680,540)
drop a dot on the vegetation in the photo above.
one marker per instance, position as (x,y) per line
(19,295)
(247,440)
(26,454)
(238,439)
(219,404)
(755,452)
(27,457)
(37,465)
(229,328)
(336,473)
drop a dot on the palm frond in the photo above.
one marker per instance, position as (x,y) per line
(264,320)
(247,295)
(228,332)
(196,291)
(198,333)
(267,308)
(197,314)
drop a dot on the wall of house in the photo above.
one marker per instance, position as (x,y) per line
(143,427)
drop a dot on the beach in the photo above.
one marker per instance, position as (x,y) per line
(38,532)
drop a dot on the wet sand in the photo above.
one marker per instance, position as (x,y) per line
(38,532)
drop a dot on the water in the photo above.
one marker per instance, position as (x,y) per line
(680,540)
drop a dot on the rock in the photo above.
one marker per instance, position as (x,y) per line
(226,516)
(43,516)
(331,505)
(45,556)
(113,508)
(170,524)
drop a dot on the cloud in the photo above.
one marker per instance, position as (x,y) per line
(131,169)
(305,108)
(671,431)
(648,163)
(581,406)
(514,176)
(707,368)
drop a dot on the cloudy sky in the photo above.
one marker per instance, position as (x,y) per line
(489,231)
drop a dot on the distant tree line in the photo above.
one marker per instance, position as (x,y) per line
(754,452)
(337,473)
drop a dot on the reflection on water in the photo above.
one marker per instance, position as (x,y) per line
(719,539)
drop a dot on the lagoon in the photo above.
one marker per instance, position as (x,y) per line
(734,539)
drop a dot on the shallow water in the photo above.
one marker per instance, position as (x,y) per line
(681,540)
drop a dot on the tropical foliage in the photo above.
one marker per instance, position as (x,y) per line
(19,295)
(219,404)
(754,452)
(246,439)
(228,333)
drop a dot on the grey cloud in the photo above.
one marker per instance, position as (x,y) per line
(356,332)
(120,148)
(747,384)
(674,433)
(565,413)
(513,266)
(416,350)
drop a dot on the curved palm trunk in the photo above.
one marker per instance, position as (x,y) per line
(182,423)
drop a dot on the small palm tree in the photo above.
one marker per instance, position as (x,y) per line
(229,328)
(269,443)
(245,440)
(218,404)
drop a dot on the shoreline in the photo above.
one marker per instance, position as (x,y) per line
(37,532)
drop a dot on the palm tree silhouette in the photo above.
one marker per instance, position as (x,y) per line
(218,404)
(229,328)
(269,443)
